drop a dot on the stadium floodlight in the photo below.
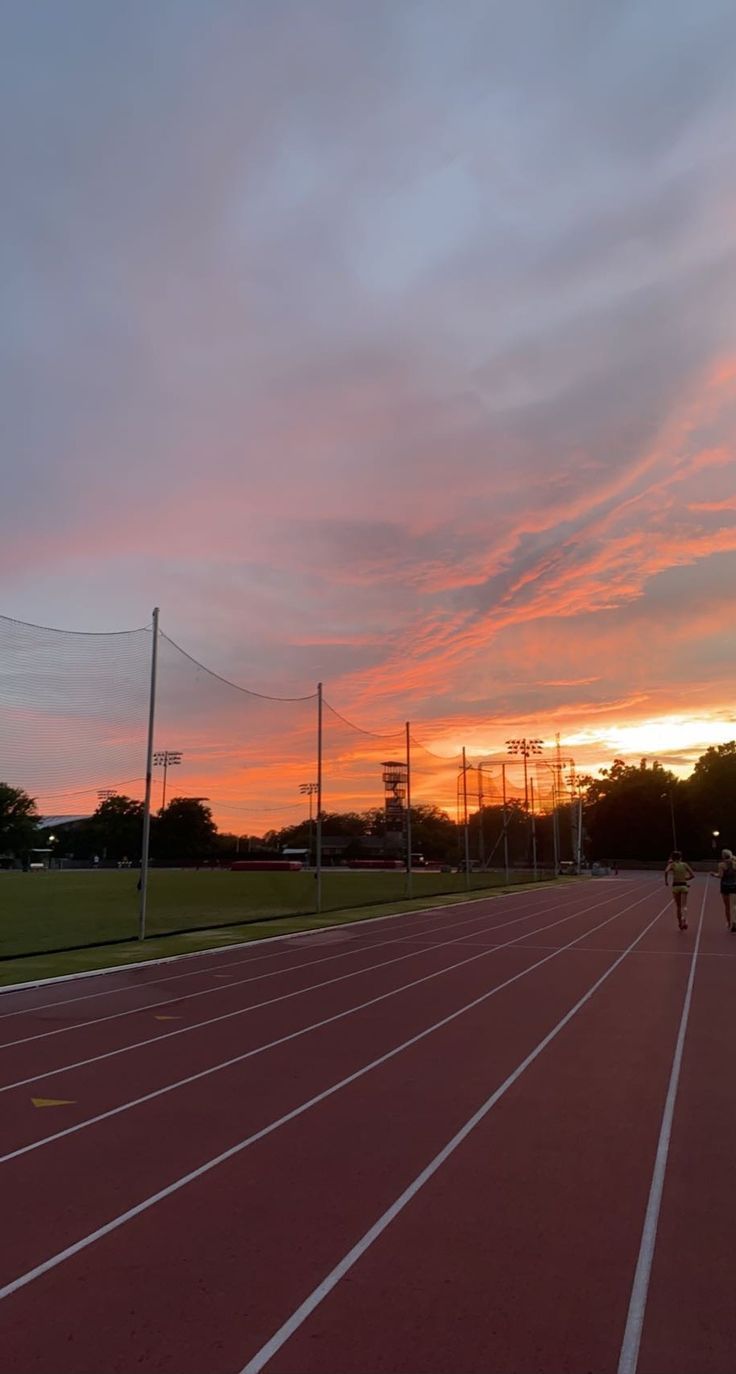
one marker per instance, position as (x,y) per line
(715,834)
(524,748)
(105,793)
(166,759)
(309,789)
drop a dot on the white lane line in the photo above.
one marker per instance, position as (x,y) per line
(437,973)
(330,1281)
(70,1250)
(355,949)
(283,951)
(296,1035)
(135,965)
(258,1006)
(629,1356)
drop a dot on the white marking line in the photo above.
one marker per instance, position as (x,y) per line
(135,965)
(55,1260)
(283,951)
(355,949)
(629,1356)
(294,1035)
(259,1006)
(318,1294)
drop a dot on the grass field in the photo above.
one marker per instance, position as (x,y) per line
(45,912)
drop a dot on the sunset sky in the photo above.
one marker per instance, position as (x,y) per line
(390,345)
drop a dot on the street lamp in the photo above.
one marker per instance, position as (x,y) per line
(166,759)
(715,834)
(309,789)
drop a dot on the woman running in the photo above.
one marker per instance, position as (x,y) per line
(727,874)
(681,876)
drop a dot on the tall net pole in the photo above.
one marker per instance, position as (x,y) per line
(146,838)
(318,866)
(481,837)
(408,811)
(555,822)
(534,832)
(505,826)
(465,820)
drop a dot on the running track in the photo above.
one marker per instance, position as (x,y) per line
(490,1137)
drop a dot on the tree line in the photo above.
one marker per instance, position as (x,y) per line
(630,812)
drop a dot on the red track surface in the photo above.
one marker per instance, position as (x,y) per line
(342,1234)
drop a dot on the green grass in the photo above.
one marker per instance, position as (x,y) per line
(48,912)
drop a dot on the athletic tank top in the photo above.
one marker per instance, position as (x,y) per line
(728,876)
(679,872)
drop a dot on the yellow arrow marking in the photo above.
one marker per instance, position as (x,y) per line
(167,1018)
(53,1102)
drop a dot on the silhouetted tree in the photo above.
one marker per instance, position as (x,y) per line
(184,831)
(19,821)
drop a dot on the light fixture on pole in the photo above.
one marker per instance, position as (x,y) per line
(309,789)
(105,793)
(166,759)
(715,834)
(524,748)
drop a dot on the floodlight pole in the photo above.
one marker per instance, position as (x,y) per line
(145,842)
(318,856)
(308,789)
(408,810)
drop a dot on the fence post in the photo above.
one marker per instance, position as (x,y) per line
(318,856)
(146,838)
(465,820)
(408,811)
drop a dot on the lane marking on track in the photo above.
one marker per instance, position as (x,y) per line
(71,1250)
(137,964)
(330,1281)
(277,973)
(629,1356)
(294,1035)
(282,952)
(269,1002)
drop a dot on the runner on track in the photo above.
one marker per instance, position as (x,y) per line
(727,874)
(681,876)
